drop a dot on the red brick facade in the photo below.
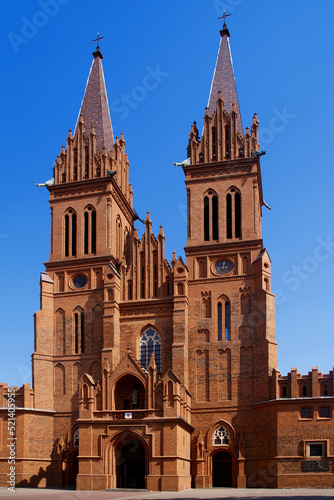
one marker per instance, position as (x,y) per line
(156,374)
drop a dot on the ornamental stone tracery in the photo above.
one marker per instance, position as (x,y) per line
(221,436)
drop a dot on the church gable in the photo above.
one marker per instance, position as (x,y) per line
(128,365)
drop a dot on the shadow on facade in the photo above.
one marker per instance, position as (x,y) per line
(35,480)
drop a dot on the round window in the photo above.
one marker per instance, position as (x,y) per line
(80,281)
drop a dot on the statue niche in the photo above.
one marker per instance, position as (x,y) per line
(129,393)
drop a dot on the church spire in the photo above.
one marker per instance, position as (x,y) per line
(223,79)
(94,107)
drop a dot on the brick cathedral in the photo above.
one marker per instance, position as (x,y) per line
(156,374)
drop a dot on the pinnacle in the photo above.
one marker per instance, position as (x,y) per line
(148,218)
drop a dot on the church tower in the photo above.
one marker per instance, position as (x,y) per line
(91,220)
(232,348)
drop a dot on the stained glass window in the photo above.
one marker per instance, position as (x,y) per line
(150,341)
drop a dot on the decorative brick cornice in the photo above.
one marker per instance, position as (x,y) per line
(221,171)
(79,191)
(147,311)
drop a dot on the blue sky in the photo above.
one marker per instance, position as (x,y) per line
(282,54)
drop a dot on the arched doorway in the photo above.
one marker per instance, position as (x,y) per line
(73,469)
(130,464)
(222,469)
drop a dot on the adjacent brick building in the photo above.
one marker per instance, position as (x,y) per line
(157,374)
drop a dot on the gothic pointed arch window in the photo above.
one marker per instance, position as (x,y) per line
(210,216)
(76,438)
(79,330)
(150,341)
(224,319)
(70,233)
(221,436)
(89,230)
(233,213)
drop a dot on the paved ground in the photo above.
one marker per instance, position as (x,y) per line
(199,494)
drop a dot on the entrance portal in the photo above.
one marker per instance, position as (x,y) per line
(74,467)
(130,464)
(222,469)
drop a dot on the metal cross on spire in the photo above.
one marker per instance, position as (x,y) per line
(224,16)
(98,38)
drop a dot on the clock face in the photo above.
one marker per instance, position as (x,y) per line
(223,267)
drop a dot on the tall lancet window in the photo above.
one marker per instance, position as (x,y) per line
(79,331)
(224,319)
(89,230)
(70,233)
(233,214)
(211,216)
(150,341)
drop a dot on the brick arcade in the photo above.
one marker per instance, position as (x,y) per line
(156,374)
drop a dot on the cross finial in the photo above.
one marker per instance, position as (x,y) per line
(97,39)
(224,16)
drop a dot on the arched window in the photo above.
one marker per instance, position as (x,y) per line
(70,233)
(150,341)
(227,321)
(237,212)
(233,214)
(202,269)
(206,219)
(224,320)
(76,438)
(79,332)
(211,216)
(220,321)
(221,436)
(89,230)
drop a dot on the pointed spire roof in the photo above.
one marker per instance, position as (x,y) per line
(223,80)
(95,108)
